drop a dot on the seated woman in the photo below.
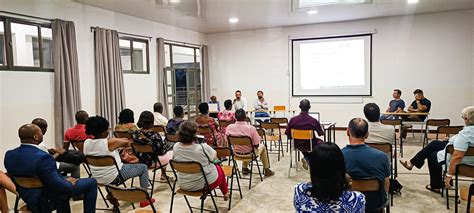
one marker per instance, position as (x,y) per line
(189,150)
(203,120)
(145,135)
(435,152)
(173,124)
(126,121)
(5,183)
(328,190)
(101,146)
(227,114)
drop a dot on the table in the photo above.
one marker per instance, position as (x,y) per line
(329,131)
(422,123)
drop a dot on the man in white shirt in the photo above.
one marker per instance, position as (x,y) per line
(239,101)
(157,113)
(378,132)
(261,107)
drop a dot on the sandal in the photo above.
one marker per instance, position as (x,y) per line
(405,164)
(433,190)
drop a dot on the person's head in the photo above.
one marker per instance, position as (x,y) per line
(126,116)
(146,120)
(158,107)
(81,117)
(178,111)
(213,99)
(358,129)
(372,112)
(203,108)
(328,179)
(468,115)
(238,94)
(418,94)
(305,105)
(228,104)
(260,94)
(41,123)
(98,127)
(187,132)
(397,93)
(240,115)
(30,133)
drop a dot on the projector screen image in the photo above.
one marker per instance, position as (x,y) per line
(332,66)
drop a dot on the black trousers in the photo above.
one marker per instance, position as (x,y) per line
(430,152)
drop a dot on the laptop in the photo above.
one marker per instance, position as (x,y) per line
(213,108)
(315,115)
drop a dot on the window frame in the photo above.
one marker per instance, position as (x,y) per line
(147,54)
(9,66)
(195,49)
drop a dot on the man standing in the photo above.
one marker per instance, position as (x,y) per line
(158,114)
(242,128)
(304,121)
(29,160)
(364,162)
(378,132)
(239,102)
(395,105)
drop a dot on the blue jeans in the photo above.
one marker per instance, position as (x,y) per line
(84,186)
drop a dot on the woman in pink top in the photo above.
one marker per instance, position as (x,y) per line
(226,115)
(204,120)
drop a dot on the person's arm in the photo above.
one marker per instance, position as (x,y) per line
(49,174)
(115,143)
(388,109)
(319,129)
(255,137)
(410,108)
(265,105)
(256,105)
(288,129)
(455,160)
(244,101)
(57,152)
(420,106)
(402,106)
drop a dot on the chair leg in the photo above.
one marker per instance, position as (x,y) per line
(447,198)
(17,200)
(238,181)
(231,188)
(172,200)
(291,159)
(281,147)
(251,173)
(258,167)
(187,202)
(202,203)
(103,197)
(213,202)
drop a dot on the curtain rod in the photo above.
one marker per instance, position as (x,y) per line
(129,34)
(182,43)
(26,16)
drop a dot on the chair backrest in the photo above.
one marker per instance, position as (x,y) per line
(384,147)
(299,134)
(465,170)
(469,151)
(279,108)
(204,130)
(239,140)
(28,182)
(393,122)
(248,120)
(223,152)
(134,194)
(261,132)
(279,120)
(438,122)
(100,161)
(270,125)
(225,123)
(449,130)
(123,134)
(142,148)
(367,185)
(188,167)
(77,145)
(158,128)
(172,138)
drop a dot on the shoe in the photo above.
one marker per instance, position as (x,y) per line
(146,203)
(170,179)
(305,164)
(245,171)
(433,190)
(268,172)
(406,164)
(227,196)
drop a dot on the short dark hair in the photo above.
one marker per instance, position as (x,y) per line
(126,116)
(305,105)
(41,123)
(328,180)
(398,91)
(260,91)
(418,91)
(203,108)
(240,115)
(187,132)
(158,107)
(358,128)
(81,117)
(236,91)
(146,120)
(178,111)
(372,112)
(96,125)
(228,104)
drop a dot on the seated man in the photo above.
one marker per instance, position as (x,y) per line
(29,160)
(63,167)
(242,128)
(420,104)
(378,132)
(78,132)
(239,101)
(304,121)
(395,105)
(364,162)
(213,100)
(261,106)
(158,113)
(174,123)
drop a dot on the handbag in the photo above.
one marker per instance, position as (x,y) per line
(72,156)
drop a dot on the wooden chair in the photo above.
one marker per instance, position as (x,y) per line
(368,185)
(283,124)
(263,140)
(123,134)
(387,149)
(160,129)
(191,167)
(148,149)
(469,193)
(297,134)
(396,123)
(172,138)
(79,146)
(224,124)
(204,130)
(132,195)
(447,131)
(433,123)
(274,127)
(249,157)
(464,170)
(450,150)
(27,183)
(229,170)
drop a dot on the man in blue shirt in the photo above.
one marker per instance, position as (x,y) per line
(364,162)
(395,105)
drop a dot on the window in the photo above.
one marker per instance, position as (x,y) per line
(25,45)
(134,55)
(180,56)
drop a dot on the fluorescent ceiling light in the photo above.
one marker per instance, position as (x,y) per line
(312,12)
(233,20)
(412,1)
(316,3)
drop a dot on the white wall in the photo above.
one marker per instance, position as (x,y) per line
(26,95)
(433,52)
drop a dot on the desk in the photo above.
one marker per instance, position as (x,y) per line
(406,113)
(405,122)
(329,131)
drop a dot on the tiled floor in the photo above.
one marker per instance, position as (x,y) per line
(275,194)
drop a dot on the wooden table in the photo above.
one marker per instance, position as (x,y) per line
(406,113)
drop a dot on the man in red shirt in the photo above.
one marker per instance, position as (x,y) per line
(78,132)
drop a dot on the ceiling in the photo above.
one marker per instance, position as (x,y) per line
(211,16)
